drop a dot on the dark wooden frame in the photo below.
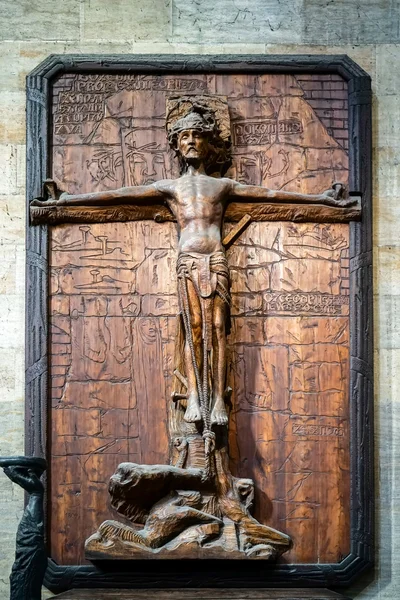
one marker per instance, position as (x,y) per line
(142,574)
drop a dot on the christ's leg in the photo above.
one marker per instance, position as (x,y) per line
(218,414)
(193,412)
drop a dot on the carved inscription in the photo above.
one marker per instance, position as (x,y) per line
(259,133)
(85,97)
(307,303)
(319,430)
(76,108)
(117,83)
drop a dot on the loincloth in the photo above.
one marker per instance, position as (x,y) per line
(209,273)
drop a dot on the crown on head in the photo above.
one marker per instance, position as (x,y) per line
(203,122)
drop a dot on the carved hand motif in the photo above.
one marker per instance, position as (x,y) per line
(336,196)
(51,195)
(28,479)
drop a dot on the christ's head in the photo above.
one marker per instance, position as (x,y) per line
(193,146)
(197,141)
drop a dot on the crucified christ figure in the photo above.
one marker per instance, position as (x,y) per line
(198,199)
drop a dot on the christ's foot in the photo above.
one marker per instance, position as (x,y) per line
(219,415)
(192,413)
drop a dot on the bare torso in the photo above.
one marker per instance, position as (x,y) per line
(198,204)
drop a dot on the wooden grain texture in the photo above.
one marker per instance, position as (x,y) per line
(102,388)
(360,170)
(212,594)
(235,212)
(113,284)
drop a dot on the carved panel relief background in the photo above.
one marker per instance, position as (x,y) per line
(113,306)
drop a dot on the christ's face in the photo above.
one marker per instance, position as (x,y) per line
(193,145)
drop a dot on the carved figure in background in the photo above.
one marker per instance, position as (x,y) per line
(30,556)
(199,132)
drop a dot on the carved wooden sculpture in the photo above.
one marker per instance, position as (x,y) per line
(194,507)
(30,557)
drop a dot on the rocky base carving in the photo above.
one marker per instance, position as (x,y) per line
(197,542)
(183,513)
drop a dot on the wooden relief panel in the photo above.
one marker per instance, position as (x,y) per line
(113,306)
(289,428)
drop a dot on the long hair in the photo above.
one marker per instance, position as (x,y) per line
(219,157)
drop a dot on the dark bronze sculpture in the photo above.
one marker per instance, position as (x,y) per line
(30,557)
(194,507)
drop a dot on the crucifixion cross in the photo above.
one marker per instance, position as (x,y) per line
(199,200)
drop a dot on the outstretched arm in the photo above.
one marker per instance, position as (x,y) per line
(126,195)
(253,193)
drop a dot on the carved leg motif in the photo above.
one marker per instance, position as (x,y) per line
(193,349)
(219,415)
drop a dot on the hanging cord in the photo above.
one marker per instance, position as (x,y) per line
(208,435)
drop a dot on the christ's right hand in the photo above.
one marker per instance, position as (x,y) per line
(45,203)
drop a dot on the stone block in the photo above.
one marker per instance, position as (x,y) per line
(10,67)
(386,197)
(387,115)
(156,274)
(7,268)
(18,59)
(12,434)
(39,20)
(8,169)
(247,256)
(126,20)
(387,364)
(12,213)
(387,176)
(269,389)
(12,321)
(387,321)
(12,117)
(387,77)
(195,48)
(11,375)
(387,270)
(363,55)
(350,22)
(255,22)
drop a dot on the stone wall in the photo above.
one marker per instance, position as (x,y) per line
(368,31)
